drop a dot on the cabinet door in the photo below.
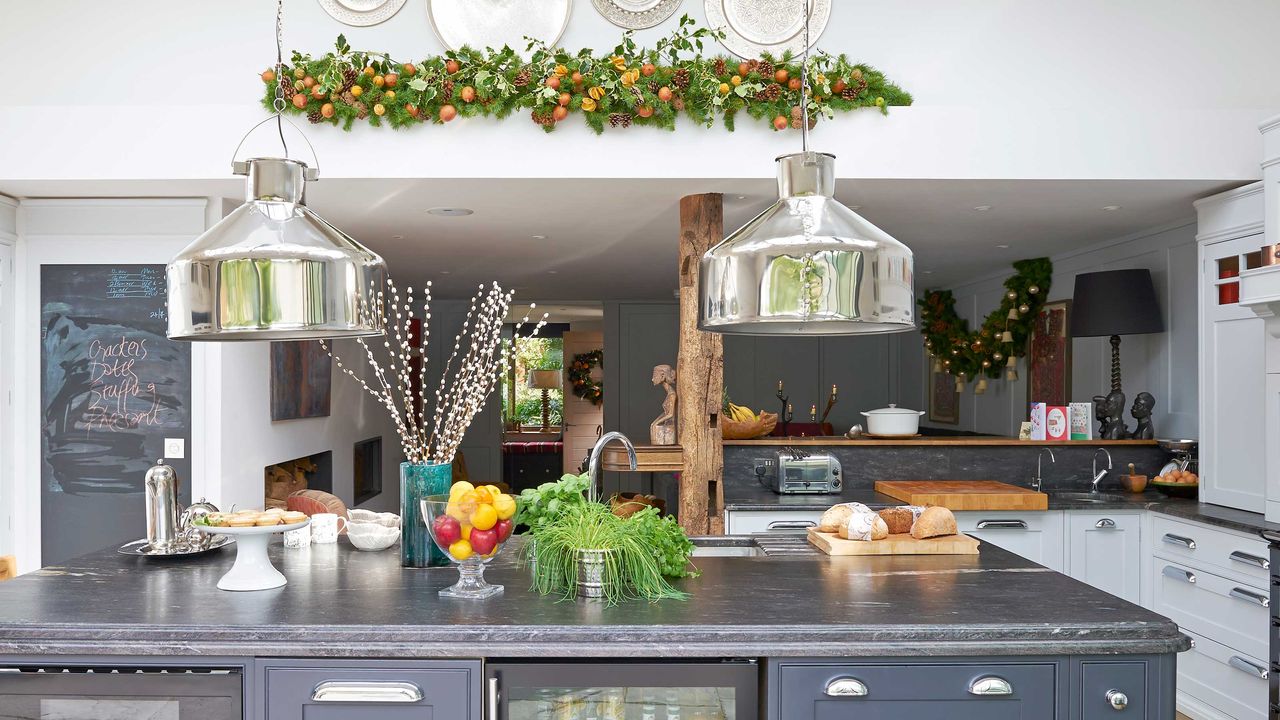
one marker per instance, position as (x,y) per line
(1036,536)
(745,522)
(372,689)
(1104,550)
(1113,690)
(1232,380)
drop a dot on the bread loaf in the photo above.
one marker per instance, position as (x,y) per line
(861,524)
(835,518)
(934,522)
(900,519)
(879,529)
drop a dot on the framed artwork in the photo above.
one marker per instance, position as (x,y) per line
(1049,355)
(944,401)
(301,380)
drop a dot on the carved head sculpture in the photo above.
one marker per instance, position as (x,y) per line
(663,374)
(1115,404)
(1100,406)
(1143,404)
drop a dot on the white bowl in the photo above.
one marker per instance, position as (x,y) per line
(372,535)
(386,519)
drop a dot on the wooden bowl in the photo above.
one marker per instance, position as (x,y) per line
(735,430)
(1134,483)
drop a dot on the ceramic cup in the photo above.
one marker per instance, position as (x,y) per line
(299,538)
(326,526)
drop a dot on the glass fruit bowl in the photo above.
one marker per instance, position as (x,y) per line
(470,525)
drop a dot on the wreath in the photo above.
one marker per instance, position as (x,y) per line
(644,86)
(580,376)
(1001,339)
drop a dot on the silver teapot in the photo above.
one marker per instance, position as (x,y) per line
(170,529)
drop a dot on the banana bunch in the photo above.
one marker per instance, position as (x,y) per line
(739,413)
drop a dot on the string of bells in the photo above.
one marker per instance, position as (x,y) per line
(1010,358)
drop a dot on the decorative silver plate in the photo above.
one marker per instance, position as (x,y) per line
(636,14)
(753,27)
(494,23)
(361,13)
(140,548)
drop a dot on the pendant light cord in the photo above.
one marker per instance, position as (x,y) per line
(804,79)
(278,103)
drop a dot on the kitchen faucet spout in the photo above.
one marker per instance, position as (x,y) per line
(593,464)
(1099,475)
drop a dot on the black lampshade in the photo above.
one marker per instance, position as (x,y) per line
(1115,302)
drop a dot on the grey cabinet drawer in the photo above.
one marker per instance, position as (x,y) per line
(1113,690)
(377,690)
(924,691)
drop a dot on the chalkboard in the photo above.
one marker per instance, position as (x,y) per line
(113,387)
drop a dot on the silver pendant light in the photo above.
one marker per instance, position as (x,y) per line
(807,264)
(273,269)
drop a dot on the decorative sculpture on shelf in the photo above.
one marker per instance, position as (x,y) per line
(1109,409)
(1143,405)
(662,431)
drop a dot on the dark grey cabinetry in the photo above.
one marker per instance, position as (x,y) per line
(371,689)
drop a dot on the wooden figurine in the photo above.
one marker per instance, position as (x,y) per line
(662,431)
(1109,410)
(1143,405)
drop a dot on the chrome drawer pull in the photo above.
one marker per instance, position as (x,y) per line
(1245,666)
(1105,524)
(1185,576)
(990,685)
(846,687)
(1117,700)
(791,524)
(1185,542)
(1002,525)
(366,692)
(1250,596)
(1247,559)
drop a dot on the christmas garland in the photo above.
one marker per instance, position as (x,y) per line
(580,376)
(631,85)
(1001,340)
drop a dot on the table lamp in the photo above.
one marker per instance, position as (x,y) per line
(1115,303)
(546,381)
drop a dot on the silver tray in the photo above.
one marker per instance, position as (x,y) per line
(139,548)
(361,13)
(493,23)
(636,14)
(753,27)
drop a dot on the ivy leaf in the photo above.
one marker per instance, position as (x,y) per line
(418,84)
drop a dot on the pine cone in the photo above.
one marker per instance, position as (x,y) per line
(850,93)
(771,92)
(349,77)
(314,116)
(362,111)
(720,67)
(289,91)
(623,119)
(654,87)
(752,65)
(542,117)
(522,78)
(348,98)
(446,90)
(680,79)
(765,68)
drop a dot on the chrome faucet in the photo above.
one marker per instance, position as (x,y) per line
(593,464)
(1036,482)
(1098,475)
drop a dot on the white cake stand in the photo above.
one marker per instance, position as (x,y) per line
(252,569)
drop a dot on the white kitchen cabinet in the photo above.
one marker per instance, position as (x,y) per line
(745,522)
(1232,353)
(1035,535)
(1104,549)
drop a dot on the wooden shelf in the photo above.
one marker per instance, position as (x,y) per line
(933,441)
(649,458)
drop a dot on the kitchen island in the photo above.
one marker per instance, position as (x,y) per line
(803,619)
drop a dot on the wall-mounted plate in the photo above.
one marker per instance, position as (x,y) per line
(493,23)
(361,13)
(754,27)
(636,14)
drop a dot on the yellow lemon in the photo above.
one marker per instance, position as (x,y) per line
(455,512)
(494,490)
(468,502)
(460,487)
(461,550)
(483,496)
(484,517)
(505,505)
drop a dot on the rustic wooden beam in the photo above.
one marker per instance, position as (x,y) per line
(699,373)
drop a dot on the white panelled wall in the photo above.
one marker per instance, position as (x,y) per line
(1163,364)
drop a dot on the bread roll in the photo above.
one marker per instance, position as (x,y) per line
(861,524)
(934,522)
(901,518)
(835,518)
(879,529)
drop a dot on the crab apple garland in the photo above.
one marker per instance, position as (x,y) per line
(629,85)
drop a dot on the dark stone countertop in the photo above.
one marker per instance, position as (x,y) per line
(344,603)
(749,495)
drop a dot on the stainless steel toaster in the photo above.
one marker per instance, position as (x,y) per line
(794,471)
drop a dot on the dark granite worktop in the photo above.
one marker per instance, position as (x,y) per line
(344,603)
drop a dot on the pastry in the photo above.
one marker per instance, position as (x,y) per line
(240,520)
(901,518)
(293,516)
(266,519)
(934,522)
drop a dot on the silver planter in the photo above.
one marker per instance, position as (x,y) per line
(592,574)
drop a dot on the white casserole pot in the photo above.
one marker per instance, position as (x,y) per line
(893,421)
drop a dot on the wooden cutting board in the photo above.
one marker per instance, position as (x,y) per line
(903,544)
(964,494)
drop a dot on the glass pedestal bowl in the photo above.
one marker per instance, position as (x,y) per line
(468,548)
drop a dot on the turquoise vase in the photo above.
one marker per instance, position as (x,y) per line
(417,481)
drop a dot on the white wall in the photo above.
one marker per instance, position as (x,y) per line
(8,238)
(1003,88)
(1163,364)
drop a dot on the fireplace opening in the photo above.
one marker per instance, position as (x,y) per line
(312,472)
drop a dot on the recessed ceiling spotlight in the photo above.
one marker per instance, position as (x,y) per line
(1003,247)
(444,272)
(450,211)
(742,197)
(397,237)
(855,207)
(538,237)
(927,272)
(982,208)
(1109,208)
(552,272)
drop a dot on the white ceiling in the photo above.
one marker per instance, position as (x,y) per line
(616,239)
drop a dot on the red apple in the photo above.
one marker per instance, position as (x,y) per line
(484,541)
(504,528)
(448,530)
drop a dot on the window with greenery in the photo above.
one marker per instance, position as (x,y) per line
(520,403)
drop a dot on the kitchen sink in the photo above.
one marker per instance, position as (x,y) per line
(1087,497)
